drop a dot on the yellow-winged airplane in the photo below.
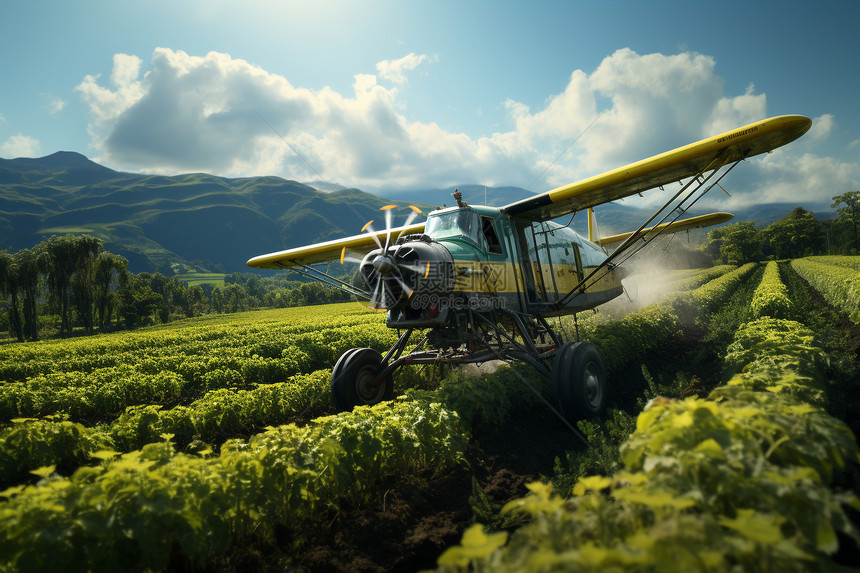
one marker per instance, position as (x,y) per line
(482,280)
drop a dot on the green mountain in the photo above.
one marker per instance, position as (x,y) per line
(171,224)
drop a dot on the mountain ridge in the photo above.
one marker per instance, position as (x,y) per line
(182,223)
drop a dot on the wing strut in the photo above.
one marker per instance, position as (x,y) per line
(700,187)
(326,279)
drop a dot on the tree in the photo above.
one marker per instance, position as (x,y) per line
(9,287)
(797,234)
(163,286)
(196,299)
(83,280)
(26,275)
(736,243)
(58,258)
(137,299)
(235,298)
(66,258)
(108,269)
(216,298)
(850,212)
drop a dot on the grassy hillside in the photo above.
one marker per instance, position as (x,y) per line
(185,223)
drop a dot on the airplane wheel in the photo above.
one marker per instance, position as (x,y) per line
(578,381)
(355,380)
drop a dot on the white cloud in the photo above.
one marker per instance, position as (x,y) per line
(56,106)
(732,112)
(106,105)
(126,68)
(395,70)
(822,127)
(214,113)
(783,177)
(224,115)
(53,104)
(20,146)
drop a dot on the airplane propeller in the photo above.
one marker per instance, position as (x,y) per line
(384,269)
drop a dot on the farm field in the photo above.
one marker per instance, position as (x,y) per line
(194,279)
(212,444)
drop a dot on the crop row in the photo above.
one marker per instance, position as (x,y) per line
(227,411)
(634,336)
(712,294)
(141,401)
(139,510)
(839,285)
(699,277)
(31,443)
(147,378)
(264,333)
(851,262)
(771,296)
(754,477)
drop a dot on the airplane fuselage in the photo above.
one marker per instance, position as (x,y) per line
(496,261)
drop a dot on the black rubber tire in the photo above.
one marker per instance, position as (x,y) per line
(355,380)
(579,381)
(338,404)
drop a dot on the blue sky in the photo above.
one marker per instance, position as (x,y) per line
(406,94)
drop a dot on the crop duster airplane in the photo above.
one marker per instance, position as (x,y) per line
(482,281)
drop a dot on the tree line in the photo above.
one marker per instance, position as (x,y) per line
(798,234)
(70,283)
(75,274)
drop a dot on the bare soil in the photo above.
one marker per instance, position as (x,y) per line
(416,518)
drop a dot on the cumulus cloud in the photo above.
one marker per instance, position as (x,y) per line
(395,70)
(224,115)
(20,146)
(822,127)
(782,177)
(108,105)
(53,104)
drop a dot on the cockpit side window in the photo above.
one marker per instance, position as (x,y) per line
(494,245)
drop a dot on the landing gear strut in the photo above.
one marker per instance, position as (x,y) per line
(362,376)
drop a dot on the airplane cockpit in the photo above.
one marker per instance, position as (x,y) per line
(456,223)
(465,224)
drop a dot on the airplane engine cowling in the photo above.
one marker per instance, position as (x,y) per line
(409,273)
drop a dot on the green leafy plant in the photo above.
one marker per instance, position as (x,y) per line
(771,295)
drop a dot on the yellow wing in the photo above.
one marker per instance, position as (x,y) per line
(330,250)
(669,167)
(683,225)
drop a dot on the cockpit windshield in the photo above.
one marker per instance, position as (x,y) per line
(460,223)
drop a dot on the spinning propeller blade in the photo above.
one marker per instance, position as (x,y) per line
(385,269)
